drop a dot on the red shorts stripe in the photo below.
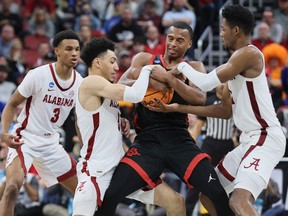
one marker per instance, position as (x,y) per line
(140,171)
(99,201)
(70,173)
(21,157)
(225,172)
(192,166)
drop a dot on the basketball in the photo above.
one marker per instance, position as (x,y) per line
(164,96)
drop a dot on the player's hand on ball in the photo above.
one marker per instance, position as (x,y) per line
(159,106)
(12,141)
(174,70)
(160,74)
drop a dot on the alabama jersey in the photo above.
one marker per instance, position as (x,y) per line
(254,109)
(49,101)
(101,135)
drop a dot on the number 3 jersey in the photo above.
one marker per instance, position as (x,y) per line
(49,101)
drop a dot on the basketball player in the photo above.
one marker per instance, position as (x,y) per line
(163,140)
(99,124)
(246,170)
(49,95)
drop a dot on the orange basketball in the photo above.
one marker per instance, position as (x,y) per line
(164,96)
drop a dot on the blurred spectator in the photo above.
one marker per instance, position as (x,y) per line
(138,45)
(49,58)
(43,50)
(114,16)
(124,61)
(272,200)
(281,16)
(85,34)
(6,87)
(180,13)
(87,18)
(275,59)
(8,17)
(126,30)
(6,37)
(15,6)
(177,13)
(155,44)
(31,5)
(147,15)
(206,14)
(64,15)
(276,30)
(40,24)
(284,81)
(262,38)
(27,202)
(15,60)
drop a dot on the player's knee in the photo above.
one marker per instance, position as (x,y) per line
(11,191)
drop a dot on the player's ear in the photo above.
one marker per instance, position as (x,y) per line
(96,62)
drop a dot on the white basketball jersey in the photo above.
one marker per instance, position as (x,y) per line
(101,135)
(49,101)
(251,102)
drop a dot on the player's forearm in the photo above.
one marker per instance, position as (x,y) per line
(206,82)
(136,92)
(191,95)
(31,192)
(216,111)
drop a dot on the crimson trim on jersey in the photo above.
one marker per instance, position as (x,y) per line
(140,171)
(70,173)
(254,104)
(192,166)
(55,79)
(260,142)
(25,121)
(91,140)
(225,172)
(98,192)
(21,157)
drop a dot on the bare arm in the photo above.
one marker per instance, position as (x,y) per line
(246,61)
(190,93)
(7,118)
(78,131)
(222,110)
(133,72)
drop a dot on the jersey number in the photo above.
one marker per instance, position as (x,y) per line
(56,115)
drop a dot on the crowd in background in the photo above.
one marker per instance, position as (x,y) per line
(28,26)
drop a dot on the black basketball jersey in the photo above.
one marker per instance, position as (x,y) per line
(146,118)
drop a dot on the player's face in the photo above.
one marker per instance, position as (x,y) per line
(177,42)
(109,66)
(227,35)
(68,52)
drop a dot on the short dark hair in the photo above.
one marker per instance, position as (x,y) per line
(3,68)
(237,15)
(183,25)
(66,34)
(95,48)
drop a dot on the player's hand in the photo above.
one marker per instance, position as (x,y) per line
(12,141)
(159,106)
(160,74)
(174,70)
(125,125)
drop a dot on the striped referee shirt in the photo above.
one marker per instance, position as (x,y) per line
(216,128)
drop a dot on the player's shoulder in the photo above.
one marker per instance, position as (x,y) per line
(143,57)
(197,65)
(39,71)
